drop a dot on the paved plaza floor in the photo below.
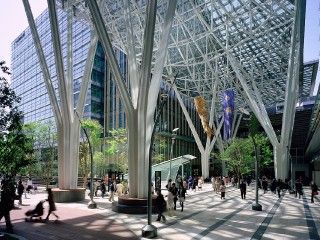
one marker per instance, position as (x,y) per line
(205,216)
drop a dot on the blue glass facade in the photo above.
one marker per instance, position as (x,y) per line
(103,101)
(115,116)
(27,79)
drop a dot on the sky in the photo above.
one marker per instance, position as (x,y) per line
(312,31)
(13,21)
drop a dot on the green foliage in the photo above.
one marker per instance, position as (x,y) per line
(240,154)
(260,141)
(84,167)
(15,147)
(94,130)
(217,163)
(117,149)
(266,153)
(161,146)
(254,125)
(99,163)
(44,139)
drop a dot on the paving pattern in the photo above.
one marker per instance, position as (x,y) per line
(205,216)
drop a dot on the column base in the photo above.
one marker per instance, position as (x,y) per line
(92,204)
(149,231)
(256,207)
(68,195)
(129,205)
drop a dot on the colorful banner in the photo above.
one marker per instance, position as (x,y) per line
(228,108)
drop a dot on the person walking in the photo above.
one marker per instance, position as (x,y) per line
(29,185)
(190,182)
(174,191)
(185,184)
(218,184)
(95,187)
(298,186)
(168,186)
(243,189)
(20,190)
(264,184)
(160,206)
(182,197)
(314,190)
(212,182)
(103,189)
(195,183)
(7,203)
(112,189)
(273,186)
(223,190)
(170,202)
(200,183)
(52,205)
(279,187)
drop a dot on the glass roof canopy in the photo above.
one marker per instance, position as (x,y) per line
(257,33)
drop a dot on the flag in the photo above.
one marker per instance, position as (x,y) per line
(228,108)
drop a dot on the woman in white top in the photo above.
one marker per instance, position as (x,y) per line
(200,183)
(29,185)
(170,202)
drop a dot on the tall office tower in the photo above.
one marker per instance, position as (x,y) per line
(27,78)
(103,101)
(114,110)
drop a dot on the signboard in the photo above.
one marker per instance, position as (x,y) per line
(157,179)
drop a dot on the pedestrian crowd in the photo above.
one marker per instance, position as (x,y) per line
(175,197)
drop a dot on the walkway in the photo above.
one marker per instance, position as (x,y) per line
(206,217)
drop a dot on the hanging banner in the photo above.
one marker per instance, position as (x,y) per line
(228,108)
(200,104)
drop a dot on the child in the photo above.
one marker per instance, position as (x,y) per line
(52,206)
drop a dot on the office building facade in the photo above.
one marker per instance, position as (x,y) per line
(27,79)
(103,101)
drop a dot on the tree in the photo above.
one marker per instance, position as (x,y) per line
(161,145)
(94,130)
(116,150)
(15,147)
(260,141)
(240,154)
(99,163)
(84,167)
(44,139)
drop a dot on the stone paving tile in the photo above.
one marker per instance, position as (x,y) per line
(73,224)
(204,213)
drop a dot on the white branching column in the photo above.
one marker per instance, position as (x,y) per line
(67,122)
(140,104)
(204,150)
(254,99)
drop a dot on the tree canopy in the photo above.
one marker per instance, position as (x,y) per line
(44,139)
(15,147)
(116,149)
(240,154)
